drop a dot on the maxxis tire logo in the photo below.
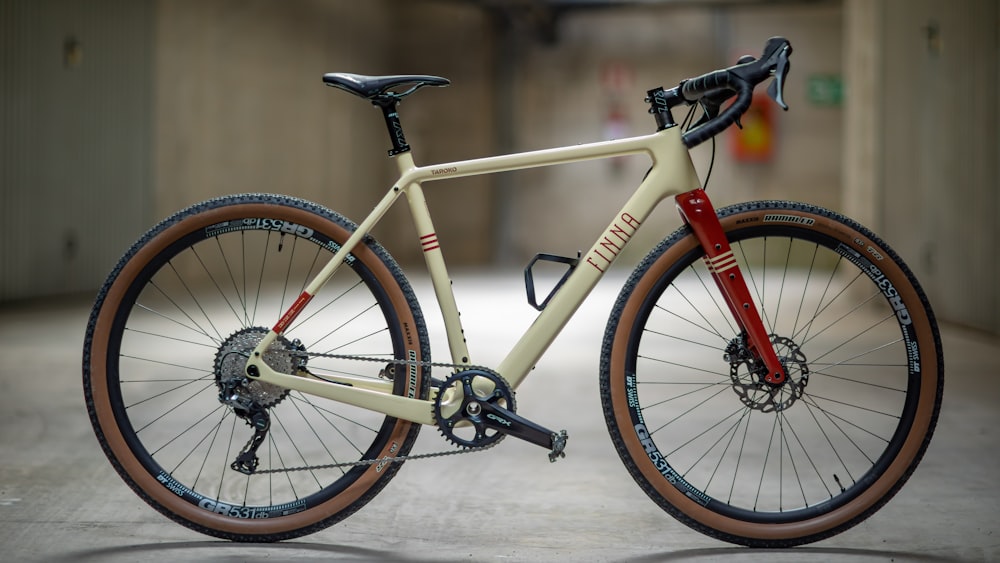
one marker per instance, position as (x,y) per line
(787,218)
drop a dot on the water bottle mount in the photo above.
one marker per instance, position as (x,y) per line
(529,281)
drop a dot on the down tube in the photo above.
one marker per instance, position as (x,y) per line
(663,180)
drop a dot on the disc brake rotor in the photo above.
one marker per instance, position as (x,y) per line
(747,375)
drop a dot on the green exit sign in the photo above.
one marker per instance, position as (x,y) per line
(825,89)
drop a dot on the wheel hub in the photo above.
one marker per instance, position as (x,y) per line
(235,388)
(747,375)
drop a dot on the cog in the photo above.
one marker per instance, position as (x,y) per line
(458,406)
(283,356)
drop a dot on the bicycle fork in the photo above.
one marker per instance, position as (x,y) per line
(697,212)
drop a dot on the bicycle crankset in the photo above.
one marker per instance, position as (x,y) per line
(475,408)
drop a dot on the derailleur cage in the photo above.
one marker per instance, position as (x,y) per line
(258,419)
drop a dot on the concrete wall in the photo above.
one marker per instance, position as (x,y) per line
(233,103)
(921,162)
(453,40)
(566,95)
(75,138)
(241,107)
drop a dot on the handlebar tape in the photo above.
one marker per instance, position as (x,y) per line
(712,82)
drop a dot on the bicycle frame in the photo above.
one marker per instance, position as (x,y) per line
(672,173)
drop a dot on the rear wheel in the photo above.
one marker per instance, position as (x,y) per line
(730,455)
(169,336)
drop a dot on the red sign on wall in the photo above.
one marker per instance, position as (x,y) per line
(755,141)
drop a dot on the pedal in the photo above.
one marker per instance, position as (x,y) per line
(558,445)
(513,424)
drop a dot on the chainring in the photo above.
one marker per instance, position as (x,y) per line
(458,406)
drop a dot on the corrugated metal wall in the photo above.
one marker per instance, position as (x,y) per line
(75,140)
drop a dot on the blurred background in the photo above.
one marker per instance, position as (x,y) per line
(116,113)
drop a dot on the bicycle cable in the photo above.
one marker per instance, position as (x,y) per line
(687,125)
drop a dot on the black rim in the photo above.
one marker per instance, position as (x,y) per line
(811,509)
(328,489)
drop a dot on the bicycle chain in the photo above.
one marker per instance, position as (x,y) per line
(396,459)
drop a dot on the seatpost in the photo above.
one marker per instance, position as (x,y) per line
(387,103)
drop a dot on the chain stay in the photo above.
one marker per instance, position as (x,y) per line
(397,459)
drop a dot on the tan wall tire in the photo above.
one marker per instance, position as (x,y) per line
(209,281)
(708,454)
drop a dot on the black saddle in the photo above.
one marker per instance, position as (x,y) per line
(374,87)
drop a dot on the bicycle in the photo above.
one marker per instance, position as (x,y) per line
(727,392)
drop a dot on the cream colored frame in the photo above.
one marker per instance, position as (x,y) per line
(672,173)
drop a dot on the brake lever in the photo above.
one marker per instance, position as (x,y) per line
(773,62)
(777,87)
(710,110)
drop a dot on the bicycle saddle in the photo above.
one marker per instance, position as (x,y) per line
(371,87)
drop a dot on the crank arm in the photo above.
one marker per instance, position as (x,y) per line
(512,424)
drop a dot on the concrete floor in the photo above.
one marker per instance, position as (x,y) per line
(60,500)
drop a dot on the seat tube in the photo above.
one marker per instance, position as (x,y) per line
(436,267)
(697,211)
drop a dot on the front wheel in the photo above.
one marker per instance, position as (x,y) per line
(734,457)
(169,337)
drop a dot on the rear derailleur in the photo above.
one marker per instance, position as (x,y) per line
(253,414)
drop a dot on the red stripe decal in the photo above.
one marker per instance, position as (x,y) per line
(292,312)
(429,242)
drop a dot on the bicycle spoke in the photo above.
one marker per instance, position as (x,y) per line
(314,312)
(185,383)
(685,340)
(687,412)
(315,434)
(241,297)
(778,450)
(288,273)
(197,304)
(805,289)
(344,345)
(715,300)
(197,329)
(260,277)
(293,443)
(211,430)
(171,409)
(215,282)
(166,337)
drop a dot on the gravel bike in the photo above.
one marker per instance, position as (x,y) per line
(256,367)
